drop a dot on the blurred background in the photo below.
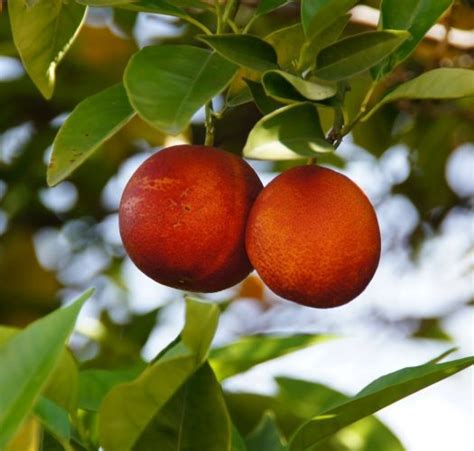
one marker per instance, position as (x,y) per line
(415,160)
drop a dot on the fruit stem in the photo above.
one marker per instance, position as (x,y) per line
(209,124)
(312,160)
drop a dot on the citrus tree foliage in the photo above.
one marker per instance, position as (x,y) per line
(293,85)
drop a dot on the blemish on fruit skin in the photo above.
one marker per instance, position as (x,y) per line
(183,215)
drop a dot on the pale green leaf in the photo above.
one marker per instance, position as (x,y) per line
(380,393)
(287,134)
(27,360)
(249,351)
(440,84)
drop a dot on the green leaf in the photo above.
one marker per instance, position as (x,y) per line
(63,384)
(91,123)
(244,50)
(380,393)
(288,88)
(128,408)
(27,360)
(264,103)
(266,6)
(54,419)
(437,84)
(150,6)
(287,43)
(357,53)
(307,399)
(287,134)
(415,16)
(317,15)
(95,384)
(167,84)
(323,39)
(238,443)
(43,31)
(266,435)
(249,351)
(194,419)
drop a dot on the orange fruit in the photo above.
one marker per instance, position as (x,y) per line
(183,216)
(313,237)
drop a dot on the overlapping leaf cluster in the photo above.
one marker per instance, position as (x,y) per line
(176,401)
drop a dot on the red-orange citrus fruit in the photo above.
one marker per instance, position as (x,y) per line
(183,216)
(313,237)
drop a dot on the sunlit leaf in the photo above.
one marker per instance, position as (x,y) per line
(380,393)
(286,134)
(43,31)
(128,408)
(289,88)
(63,384)
(167,84)
(357,53)
(287,43)
(27,360)
(250,351)
(244,50)
(91,123)
(437,84)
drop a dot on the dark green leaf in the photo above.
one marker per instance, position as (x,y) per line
(323,39)
(286,134)
(27,360)
(128,408)
(380,393)
(167,84)
(264,103)
(91,123)
(266,435)
(244,50)
(95,384)
(415,16)
(250,351)
(288,88)
(43,31)
(265,6)
(194,419)
(438,84)
(54,419)
(357,53)
(238,443)
(317,15)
